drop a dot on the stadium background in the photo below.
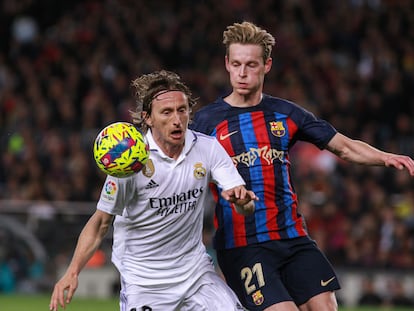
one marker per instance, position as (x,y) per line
(65,70)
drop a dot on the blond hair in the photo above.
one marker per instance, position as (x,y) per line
(249,33)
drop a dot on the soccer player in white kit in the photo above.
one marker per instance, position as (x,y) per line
(159,211)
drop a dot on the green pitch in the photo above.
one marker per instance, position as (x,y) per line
(41,303)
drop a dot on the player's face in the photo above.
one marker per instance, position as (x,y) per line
(170,114)
(246,68)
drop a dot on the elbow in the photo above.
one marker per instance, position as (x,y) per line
(103,229)
(342,146)
(345,155)
(341,152)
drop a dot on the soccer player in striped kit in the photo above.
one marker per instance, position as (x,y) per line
(267,258)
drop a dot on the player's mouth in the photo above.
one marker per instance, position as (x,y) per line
(177,134)
(243,85)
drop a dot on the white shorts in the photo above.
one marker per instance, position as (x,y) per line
(208,293)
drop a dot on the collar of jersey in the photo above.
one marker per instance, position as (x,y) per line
(190,139)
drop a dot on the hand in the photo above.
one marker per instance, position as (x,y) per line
(239,195)
(246,209)
(399,162)
(68,283)
(242,198)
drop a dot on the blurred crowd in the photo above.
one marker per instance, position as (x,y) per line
(66,68)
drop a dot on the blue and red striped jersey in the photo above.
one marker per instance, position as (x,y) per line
(258,139)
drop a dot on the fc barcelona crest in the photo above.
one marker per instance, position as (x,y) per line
(258,298)
(277,128)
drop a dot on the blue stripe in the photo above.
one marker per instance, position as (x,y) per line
(287,199)
(256,173)
(227,215)
(228,225)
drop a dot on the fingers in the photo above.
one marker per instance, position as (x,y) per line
(58,296)
(55,301)
(401,162)
(69,294)
(252,195)
(239,193)
(242,193)
(226,195)
(410,166)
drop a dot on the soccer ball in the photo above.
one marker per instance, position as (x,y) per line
(120,150)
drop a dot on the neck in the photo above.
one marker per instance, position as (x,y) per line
(238,100)
(170,149)
(173,151)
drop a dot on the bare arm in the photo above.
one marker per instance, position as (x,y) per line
(88,242)
(357,151)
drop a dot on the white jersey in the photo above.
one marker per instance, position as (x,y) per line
(158,233)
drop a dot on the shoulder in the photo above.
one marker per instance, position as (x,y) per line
(283,105)
(203,138)
(218,105)
(205,148)
(206,118)
(298,114)
(205,143)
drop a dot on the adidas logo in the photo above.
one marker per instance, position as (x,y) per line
(151,184)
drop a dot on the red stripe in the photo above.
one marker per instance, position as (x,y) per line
(292,128)
(214,192)
(222,130)
(269,180)
(239,230)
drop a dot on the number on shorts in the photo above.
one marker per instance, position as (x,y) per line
(247,273)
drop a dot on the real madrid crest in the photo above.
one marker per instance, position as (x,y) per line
(199,171)
(277,128)
(148,169)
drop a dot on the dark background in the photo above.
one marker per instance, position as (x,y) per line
(65,73)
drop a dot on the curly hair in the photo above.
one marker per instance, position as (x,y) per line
(149,86)
(249,33)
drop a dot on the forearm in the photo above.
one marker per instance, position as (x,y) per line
(88,242)
(357,151)
(362,153)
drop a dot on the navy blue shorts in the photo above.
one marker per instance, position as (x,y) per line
(271,272)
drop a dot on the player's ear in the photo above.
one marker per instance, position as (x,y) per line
(148,122)
(146,118)
(268,64)
(226,63)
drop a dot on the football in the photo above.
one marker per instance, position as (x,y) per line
(120,149)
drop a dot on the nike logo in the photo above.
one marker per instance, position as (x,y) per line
(223,137)
(325,283)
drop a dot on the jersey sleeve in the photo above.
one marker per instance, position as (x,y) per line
(205,119)
(316,131)
(115,194)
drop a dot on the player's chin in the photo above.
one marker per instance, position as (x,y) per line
(243,91)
